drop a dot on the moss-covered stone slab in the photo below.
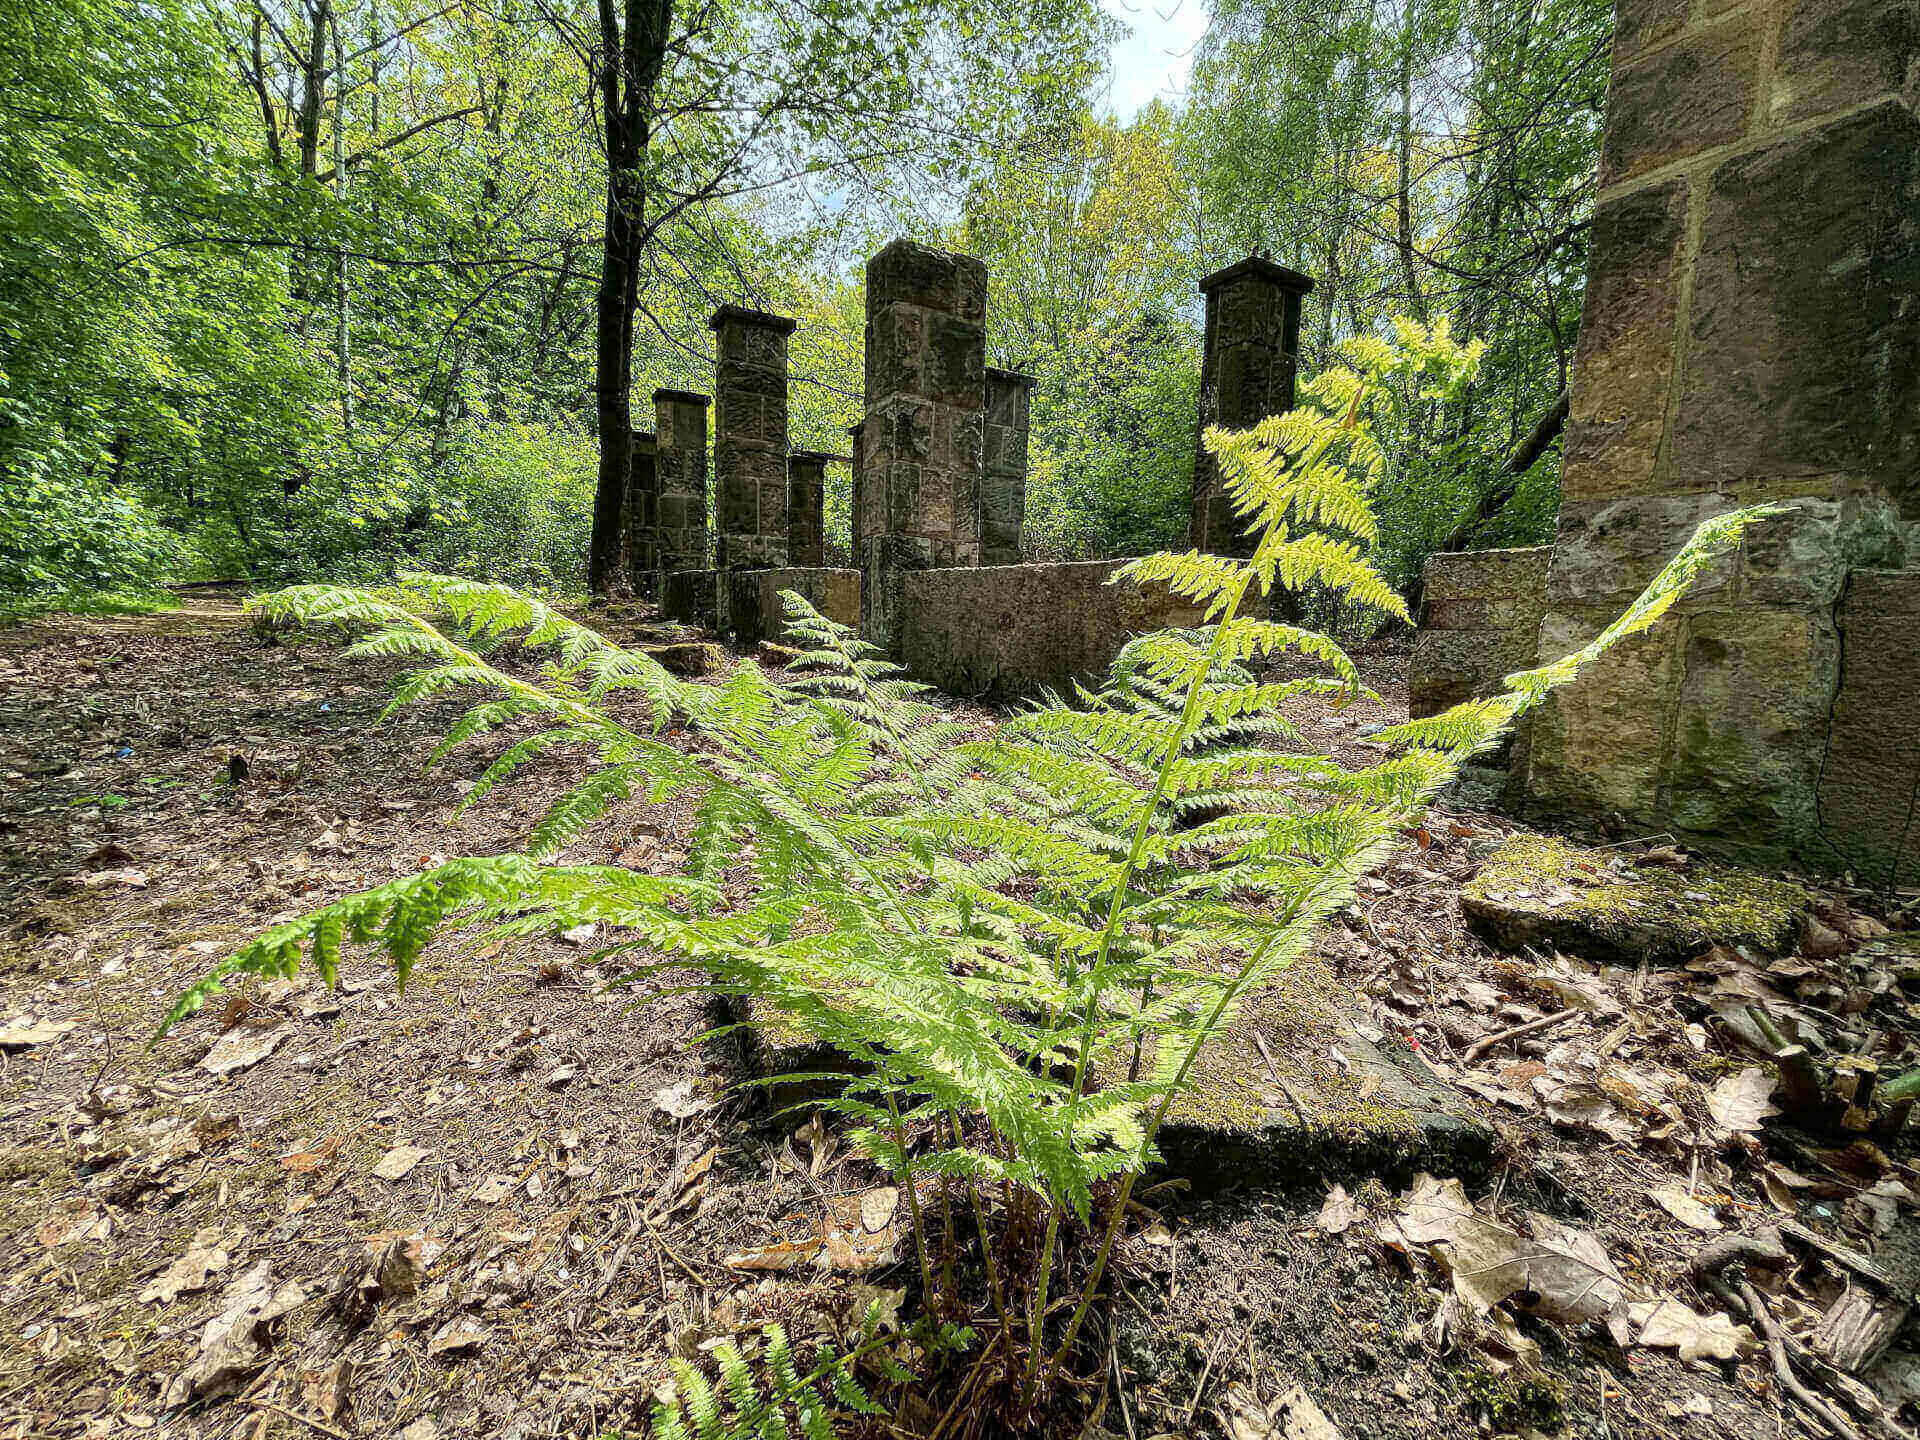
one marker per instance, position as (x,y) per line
(1292,1092)
(1541,891)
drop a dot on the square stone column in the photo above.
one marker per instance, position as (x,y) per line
(680,458)
(1751,332)
(640,517)
(1003,484)
(750,438)
(806,507)
(1247,368)
(922,437)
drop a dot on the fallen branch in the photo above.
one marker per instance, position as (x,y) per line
(1546,1022)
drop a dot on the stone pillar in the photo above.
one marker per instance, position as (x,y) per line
(680,450)
(1751,332)
(926,375)
(1003,484)
(856,497)
(750,438)
(1247,366)
(806,507)
(640,517)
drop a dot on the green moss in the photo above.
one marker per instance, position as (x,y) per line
(1515,1399)
(1540,889)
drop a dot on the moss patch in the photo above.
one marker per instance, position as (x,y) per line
(1540,890)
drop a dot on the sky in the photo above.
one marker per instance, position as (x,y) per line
(1153,60)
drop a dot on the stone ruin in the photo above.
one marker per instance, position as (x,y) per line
(939,480)
(1751,333)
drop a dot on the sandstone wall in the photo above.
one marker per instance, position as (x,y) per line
(754,611)
(1012,630)
(1871,779)
(1751,332)
(1478,621)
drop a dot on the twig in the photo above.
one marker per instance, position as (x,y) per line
(1119,1387)
(1777,1352)
(661,1241)
(1200,1389)
(324,1429)
(1546,1022)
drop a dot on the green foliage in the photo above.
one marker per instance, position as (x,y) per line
(1026,951)
(765,1397)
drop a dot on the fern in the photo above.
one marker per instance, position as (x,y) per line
(1000,928)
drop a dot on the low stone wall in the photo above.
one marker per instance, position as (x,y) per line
(754,611)
(1012,630)
(692,597)
(1479,620)
(1870,777)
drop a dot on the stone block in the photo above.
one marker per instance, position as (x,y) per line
(1623,365)
(1678,101)
(1640,23)
(1540,891)
(896,351)
(1868,817)
(932,279)
(1836,53)
(1803,369)
(1598,746)
(1749,725)
(1804,556)
(691,597)
(1449,666)
(1607,551)
(1012,630)
(1518,573)
(956,362)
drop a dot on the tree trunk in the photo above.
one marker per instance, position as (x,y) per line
(342,300)
(630,68)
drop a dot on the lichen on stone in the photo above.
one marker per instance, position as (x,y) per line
(1542,890)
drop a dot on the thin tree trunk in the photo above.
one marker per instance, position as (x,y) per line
(342,300)
(631,66)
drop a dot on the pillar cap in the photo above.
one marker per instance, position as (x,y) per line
(685,396)
(1258,267)
(783,323)
(1013,377)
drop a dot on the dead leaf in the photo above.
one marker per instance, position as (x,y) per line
(680,1101)
(395,1164)
(493,1189)
(74,1220)
(206,1256)
(1673,1198)
(1294,1416)
(1566,1271)
(848,1253)
(789,1255)
(461,1333)
(23,1032)
(1338,1212)
(1739,1103)
(243,1047)
(1434,1210)
(1666,1323)
(235,1342)
(878,1207)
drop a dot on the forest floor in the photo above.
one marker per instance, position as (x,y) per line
(551,1178)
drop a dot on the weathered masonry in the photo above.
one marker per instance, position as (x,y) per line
(1248,364)
(1751,333)
(939,480)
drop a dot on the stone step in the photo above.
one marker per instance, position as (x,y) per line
(1292,1093)
(1542,892)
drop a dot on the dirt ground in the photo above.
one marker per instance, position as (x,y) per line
(171,785)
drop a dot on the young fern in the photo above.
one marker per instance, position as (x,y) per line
(1025,938)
